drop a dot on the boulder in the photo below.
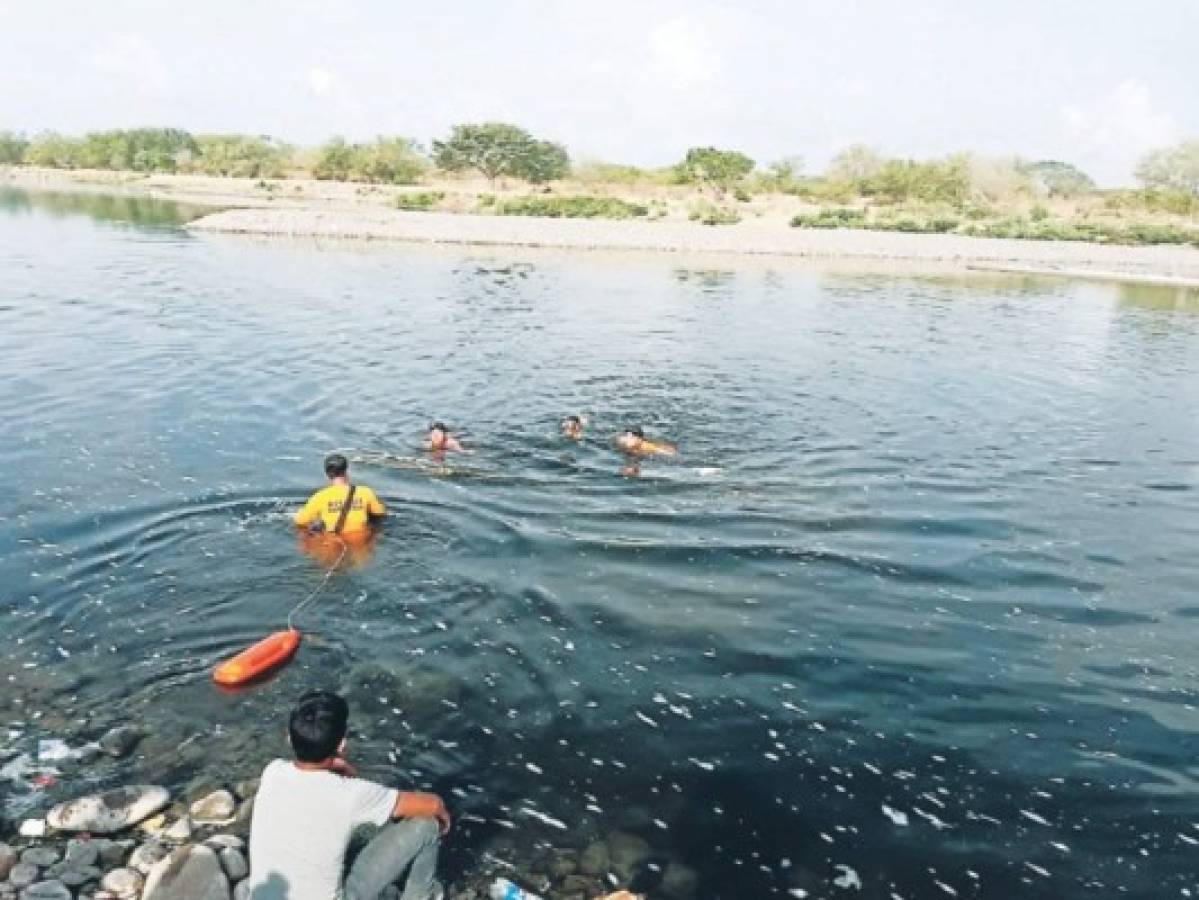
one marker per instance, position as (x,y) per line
(220,841)
(123,883)
(180,830)
(120,741)
(147,855)
(594,860)
(82,853)
(110,811)
(112,853)
(218,808)
(41,856)
(8,859)
(192,872)
(234,863)
(73,875)
(23,874)
(241,890)
(625,852)
(33,828)
(47,890)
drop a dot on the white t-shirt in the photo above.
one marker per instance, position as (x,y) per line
(301,826)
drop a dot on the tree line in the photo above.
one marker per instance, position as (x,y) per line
(1169,176)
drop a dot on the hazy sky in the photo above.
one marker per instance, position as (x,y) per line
(1095,82)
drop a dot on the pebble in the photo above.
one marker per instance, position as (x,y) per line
(110,811)
(113,853)
(124,883)
(47,890)
(234,864)
(23,874)
(218,808)
(8,859)
(120,741)
(180,830)
(220,841)
(147,855)
(594,860)
(190,873)
(72,875)
(33,828)
(82,853)
(41,856)
(242,890)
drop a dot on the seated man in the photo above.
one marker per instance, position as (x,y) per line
(440,440)
(327,510)
(633,442)
(306,809)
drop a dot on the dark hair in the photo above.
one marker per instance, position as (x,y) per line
(574,420)
(439,426)
(636,431)
(336,465)
(317,725)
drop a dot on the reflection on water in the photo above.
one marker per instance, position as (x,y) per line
(916,599)
(142,212)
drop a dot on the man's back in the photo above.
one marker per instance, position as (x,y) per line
(326,504)
(302,824)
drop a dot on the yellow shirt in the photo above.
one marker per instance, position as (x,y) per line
(325,505)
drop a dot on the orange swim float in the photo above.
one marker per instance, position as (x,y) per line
(256,661)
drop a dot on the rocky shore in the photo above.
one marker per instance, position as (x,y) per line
(146,841)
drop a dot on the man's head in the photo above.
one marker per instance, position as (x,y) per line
(317,726)
(336,466)
(631,438)
(572,427)
(438,435)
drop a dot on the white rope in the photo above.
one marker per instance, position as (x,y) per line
(307,601)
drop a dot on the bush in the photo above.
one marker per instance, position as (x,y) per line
(423,200)
(718,168)
(568,207)
(496,149)
(12,148)
(241,156)
(138,150)
(384,161)
(54,151)
(710,214)
(831,218)
(911,225)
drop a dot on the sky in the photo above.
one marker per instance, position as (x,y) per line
(1094,82)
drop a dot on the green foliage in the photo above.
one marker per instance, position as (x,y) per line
(831,218)
(614,173)
(497,149)
(783,176)
(1172,169)
(419,201)
(1060,179)
(383,161)
(12,148)
(900,180)
(570,207)
(711,214)
(855,164)
(137,150)
(53,151)
(914,225)
(719,168)
(1039,213)
(241,156)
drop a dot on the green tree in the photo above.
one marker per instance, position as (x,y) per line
(496,149)
(719,168)
(385,161)
(334,160)
(855,164)
(138,149)
(241,156)
(1060,179)
(12,148)
(1172,169)
(54,151)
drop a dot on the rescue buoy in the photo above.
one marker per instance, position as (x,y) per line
(256,661)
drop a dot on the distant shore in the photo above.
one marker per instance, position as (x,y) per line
(335,210)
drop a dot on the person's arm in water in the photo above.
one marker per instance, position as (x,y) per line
(375,509)
(421,805)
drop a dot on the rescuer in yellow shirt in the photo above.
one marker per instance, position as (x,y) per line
(326,509)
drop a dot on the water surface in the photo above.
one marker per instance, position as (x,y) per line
(916,602)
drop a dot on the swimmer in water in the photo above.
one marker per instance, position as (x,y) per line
(440,441)
(633,442)
(572,428)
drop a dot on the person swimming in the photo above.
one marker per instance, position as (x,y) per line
(441,441)
(572,428)
(634,442)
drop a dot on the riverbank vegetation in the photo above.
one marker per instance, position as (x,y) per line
(530,175)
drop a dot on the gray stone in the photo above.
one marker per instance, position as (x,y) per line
(248,789)
(113,853)
(625,852)
(124,883)
(72,875)
(8,859)
(218,808)
(391,892)
(120,741)
(594,860)
(180,830)
(192,872)
(148,855)
(220,841)
(41,856)
(82,853)
(109,812)
(241,891)
(234,863)
(679,882)
(23,874)
(47,890)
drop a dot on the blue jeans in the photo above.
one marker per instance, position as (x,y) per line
(398,845)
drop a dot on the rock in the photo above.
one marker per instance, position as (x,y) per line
(47,890)
(180,830)
(234,863)
(109,812)
(218,808)
(679,882)
(112,853)
(248,789)
(625,851)
(41,856)
(563,864)
(120,741)
(391,892)
(8,859)
(242,890)
(594,860)
(192,872)
(82,853)
(220,841)
(153,825)
(23,874)
(72,875)
(33,828)
(124,883)
(148,855)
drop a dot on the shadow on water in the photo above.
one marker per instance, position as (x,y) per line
(113,209)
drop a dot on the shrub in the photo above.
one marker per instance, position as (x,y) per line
(569,207)
(711,214)
(422,200)
(496,149)
(54,151)
(384,161)
(831,218)
(241,156)
(138,150)
(718,168)
(12,148)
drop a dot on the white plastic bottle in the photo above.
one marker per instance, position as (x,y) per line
(503,889)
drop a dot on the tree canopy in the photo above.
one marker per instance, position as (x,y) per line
(720,168)
(1172,169)
(1060,179)
(497,149)
(395,160)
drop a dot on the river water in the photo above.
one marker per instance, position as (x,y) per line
(915,606)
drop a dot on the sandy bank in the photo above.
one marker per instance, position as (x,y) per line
(299,208)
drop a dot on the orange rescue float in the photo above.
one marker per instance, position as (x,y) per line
(256,661)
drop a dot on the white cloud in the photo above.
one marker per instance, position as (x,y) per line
(320,81)
(683,54)
(1109,134)
(133,59)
